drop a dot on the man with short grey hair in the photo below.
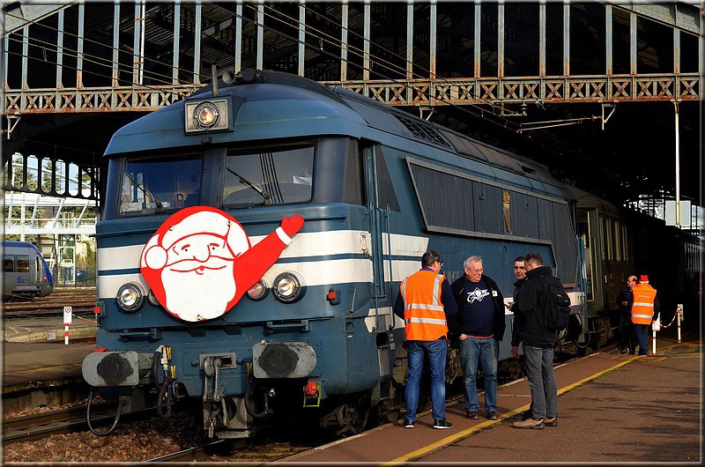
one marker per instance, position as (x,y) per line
(482,324)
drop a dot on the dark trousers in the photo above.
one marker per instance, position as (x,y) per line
(626,333)
(642,335)
(542,381)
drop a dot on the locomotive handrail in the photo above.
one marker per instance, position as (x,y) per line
(389,252)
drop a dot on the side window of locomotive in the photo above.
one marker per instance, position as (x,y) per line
(385,188)
(22,263)
(268,177)
(160,185)
(9,263)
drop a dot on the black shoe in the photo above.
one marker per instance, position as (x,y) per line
(492,415)
(408,424)
(442,424)
(551,421)
(522,416)
(472,415)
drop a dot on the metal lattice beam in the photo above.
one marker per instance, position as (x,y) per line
(556,89)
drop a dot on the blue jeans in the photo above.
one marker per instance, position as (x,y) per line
(436,352)
(642,335)
(486,351)
(542,381)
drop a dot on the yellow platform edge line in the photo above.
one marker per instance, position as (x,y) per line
(474,429)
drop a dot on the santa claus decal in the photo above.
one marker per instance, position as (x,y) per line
(200,263)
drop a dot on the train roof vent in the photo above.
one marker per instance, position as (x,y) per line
(528,170)
(423,130)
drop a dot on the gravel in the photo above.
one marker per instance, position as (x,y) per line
(130,442)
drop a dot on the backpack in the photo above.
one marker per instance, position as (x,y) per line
(557,311)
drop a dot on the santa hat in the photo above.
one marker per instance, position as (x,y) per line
(644,279)
(199,220)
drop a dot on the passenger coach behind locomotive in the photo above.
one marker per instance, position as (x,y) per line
(619,242)
(376,188)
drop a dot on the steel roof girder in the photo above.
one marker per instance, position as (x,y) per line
(22,14)
(679,15)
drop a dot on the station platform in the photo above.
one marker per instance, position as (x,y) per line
(611,408)
(34,350)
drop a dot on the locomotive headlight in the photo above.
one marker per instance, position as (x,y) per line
(152,299)
(206,115)
(258,291)
(287,287)
(130,297)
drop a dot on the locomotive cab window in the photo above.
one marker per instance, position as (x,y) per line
(160,185)
(256,177)
(22,263)
(9,263)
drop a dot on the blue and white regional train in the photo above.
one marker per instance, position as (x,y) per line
(377,188)
(25,273)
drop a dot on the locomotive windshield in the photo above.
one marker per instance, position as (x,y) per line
(268,177)
(160,185)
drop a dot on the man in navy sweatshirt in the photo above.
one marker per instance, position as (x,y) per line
(482,324)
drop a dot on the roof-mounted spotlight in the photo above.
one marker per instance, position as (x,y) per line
(208,115)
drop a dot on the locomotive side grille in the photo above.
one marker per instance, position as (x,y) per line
(423,131)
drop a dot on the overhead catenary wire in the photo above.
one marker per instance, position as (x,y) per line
(483,113)
(354,50)
(102,44)
(504,123)
(94,59)
(141,86)
(432,76)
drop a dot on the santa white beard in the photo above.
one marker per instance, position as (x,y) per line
(194,297)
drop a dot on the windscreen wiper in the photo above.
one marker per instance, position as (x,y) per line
(254,186)
(157,204)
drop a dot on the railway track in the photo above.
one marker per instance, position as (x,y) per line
(39,426)
(81,300)
(241,450)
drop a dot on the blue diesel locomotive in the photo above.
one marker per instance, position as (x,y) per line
(377,187)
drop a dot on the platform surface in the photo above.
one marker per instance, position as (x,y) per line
(612,408)
(32,357)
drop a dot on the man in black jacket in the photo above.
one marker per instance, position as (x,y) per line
(625,316)
(538,342)
(481,324)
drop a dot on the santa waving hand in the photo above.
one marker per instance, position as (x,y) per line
(200,262)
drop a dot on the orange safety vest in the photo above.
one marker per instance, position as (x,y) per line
(424,314)
(643,306)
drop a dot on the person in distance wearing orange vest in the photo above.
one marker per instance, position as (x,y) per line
(426,304)
(645,306)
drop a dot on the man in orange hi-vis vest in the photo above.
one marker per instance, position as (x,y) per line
(644,306)
(426,303)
